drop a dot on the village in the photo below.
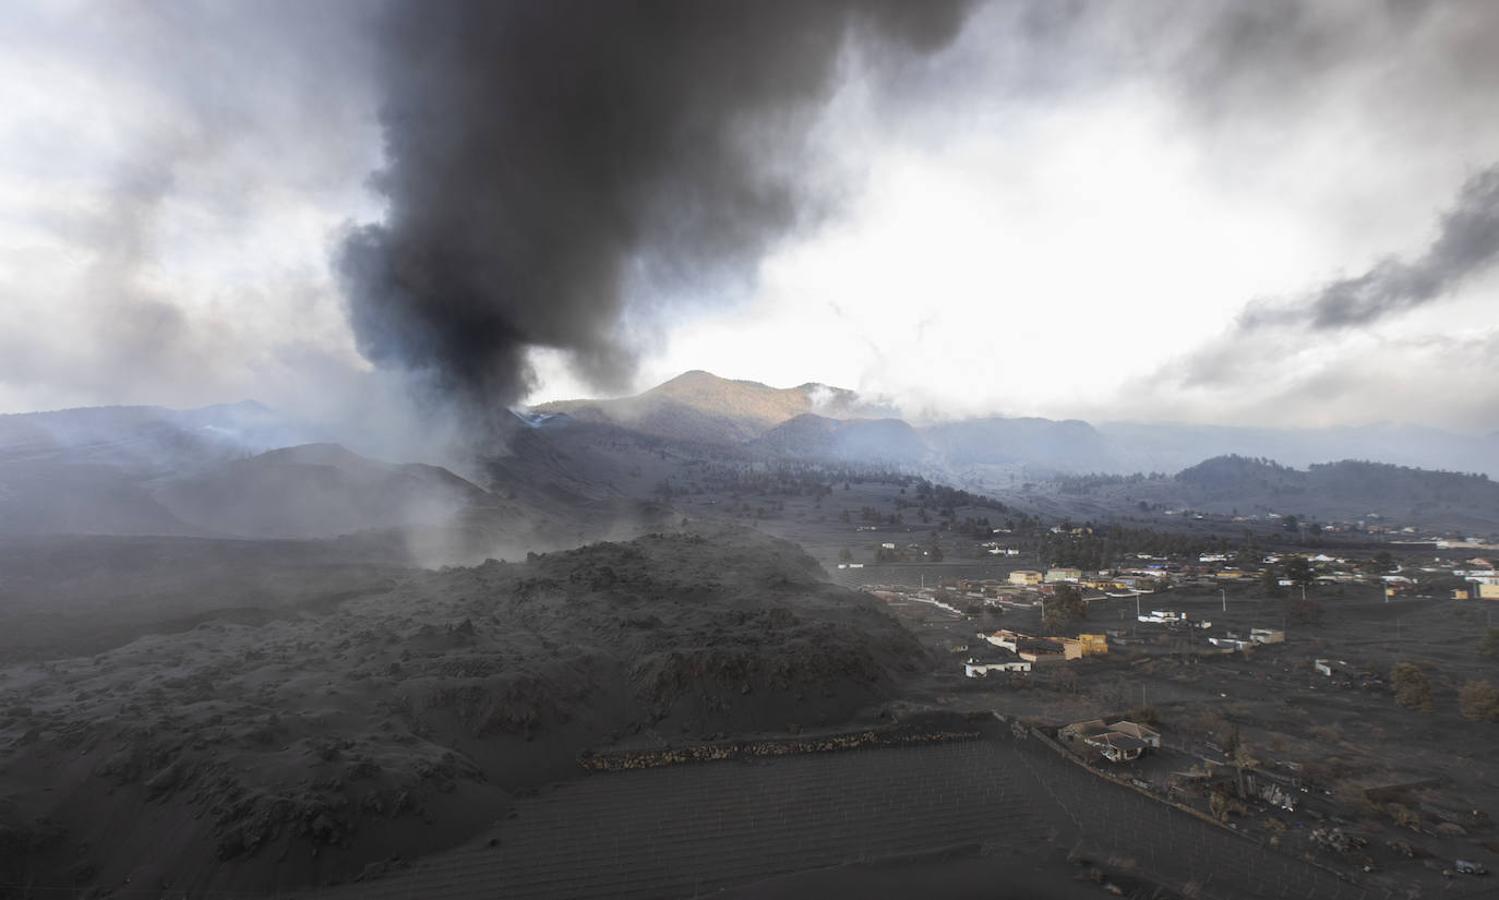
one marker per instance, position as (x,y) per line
(1262,692)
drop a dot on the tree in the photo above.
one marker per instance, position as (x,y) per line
(1270,582)
(934,552)
(845,555)
(1412,687)
(1291,523)
(1299,570)
(1479,701)
(1489,646)
(1065,607)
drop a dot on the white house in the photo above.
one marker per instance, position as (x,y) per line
(975,668)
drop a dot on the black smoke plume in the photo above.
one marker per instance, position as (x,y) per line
(543,155)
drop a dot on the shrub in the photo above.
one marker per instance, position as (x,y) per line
(1403,815)
(1479,700)
(1412,687)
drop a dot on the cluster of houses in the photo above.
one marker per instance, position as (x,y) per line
(1173,619)
(1011,651)
(1212,570)
(1255,637)
(1481,581)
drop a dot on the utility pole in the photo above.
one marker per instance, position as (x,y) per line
(1224,594)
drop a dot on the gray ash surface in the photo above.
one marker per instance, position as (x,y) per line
(304,748)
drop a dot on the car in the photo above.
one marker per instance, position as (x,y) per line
(1468,867)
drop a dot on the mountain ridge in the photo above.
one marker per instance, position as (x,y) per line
(705,408)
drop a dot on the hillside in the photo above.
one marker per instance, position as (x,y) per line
(1169,447)
(315,490)
(1355,482)
(300,748)
(151,471)
(95,470)
(1231,477)
(142,439)
(851,440)
(700,406)
(1346,490)
(308,491)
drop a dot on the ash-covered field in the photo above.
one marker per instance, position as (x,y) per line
(400,715)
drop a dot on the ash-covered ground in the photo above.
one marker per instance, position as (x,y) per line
(315,742)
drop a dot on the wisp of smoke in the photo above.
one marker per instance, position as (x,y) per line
(1467,241)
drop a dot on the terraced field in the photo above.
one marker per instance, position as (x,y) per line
(685,830)
(690,830)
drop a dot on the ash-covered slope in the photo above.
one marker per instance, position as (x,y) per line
(90,470)
(218,472)
(142,439)
(303,749)
(316,490)
(724,630)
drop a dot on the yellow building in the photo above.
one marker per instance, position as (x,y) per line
(1487,591)
(1025,577)
(1053,576)
(1094,644)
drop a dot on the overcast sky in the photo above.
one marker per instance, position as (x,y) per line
(1241,213)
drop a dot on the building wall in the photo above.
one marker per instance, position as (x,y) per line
(1072,648)
(1094,644)
(979,670)
(1004,639)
